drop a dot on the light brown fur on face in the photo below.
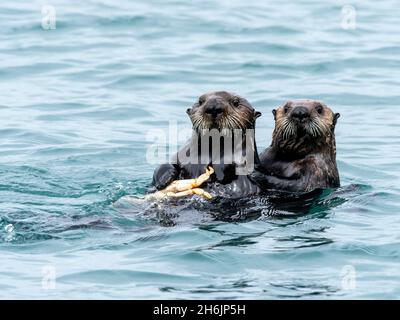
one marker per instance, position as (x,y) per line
(222,110)
(302,155)
(319,123)
(315,130)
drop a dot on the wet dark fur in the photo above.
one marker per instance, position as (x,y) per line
(302,156)
(234,113)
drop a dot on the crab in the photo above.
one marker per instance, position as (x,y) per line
(188,187)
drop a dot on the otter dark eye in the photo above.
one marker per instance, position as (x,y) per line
(319,109)
(286,109)
(235,101)
(201,100)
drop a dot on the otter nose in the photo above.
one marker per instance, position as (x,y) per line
(300,113)
(213,108)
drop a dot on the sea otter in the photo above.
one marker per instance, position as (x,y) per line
(223,138)
(302,155)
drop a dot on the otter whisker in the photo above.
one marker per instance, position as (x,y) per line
(242,120)
(287,129)
(239,124)
(228,123)
(231,121)
(310,129)
(234,122)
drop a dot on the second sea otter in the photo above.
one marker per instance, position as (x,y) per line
(302,155)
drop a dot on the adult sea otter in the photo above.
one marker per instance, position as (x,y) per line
(222,139)
(302,155)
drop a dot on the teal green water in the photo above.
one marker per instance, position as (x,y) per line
(76,104)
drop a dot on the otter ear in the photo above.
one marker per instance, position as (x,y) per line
(257,114)
(274,113)
(335,118)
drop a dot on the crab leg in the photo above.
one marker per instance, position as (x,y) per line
(203,178)
(202,193)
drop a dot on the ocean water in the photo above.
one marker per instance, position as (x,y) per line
(78,102)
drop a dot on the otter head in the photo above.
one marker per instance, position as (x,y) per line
(304,125)
(222,110)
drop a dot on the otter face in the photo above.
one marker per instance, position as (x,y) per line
(304,117)
(222,110)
